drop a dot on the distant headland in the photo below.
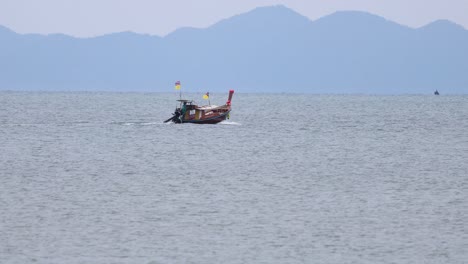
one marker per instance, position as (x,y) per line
(269,49)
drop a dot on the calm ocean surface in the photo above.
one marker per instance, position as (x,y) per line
(98,178)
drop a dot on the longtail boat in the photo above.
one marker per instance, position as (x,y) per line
(189,112)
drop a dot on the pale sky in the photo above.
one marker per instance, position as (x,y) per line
(87,18)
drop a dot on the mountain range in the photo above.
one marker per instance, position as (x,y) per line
(269,49)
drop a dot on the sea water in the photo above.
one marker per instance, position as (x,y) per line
(99,178)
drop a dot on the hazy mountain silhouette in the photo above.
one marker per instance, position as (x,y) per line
(267,49)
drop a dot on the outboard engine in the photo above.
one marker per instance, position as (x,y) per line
(177,118)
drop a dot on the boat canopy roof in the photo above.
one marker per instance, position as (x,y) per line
(207,107)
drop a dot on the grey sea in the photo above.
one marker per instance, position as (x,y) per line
(99,178)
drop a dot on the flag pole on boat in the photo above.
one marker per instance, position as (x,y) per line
(177,87)
(207,97)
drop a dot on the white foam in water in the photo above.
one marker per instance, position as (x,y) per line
(137,123)
(149,123)
(230,123)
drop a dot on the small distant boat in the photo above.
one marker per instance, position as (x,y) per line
(188,112)
(436,92)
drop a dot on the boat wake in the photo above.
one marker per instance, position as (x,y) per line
(230,123)
(136,123)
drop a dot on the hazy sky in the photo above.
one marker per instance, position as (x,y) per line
(85,18)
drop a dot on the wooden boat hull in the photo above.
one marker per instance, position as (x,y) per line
(209,120)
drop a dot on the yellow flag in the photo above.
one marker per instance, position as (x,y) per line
(177,85)
(206,96)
